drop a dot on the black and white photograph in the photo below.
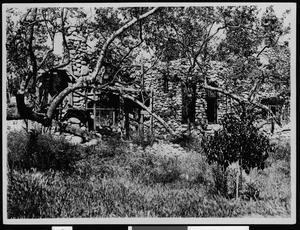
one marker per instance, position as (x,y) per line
(139,113)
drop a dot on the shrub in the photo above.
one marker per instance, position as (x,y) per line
(41,151)
(238,141)
(114,146)
(143,140)
(187,141)
(16,148)
(281,151)
(152,169)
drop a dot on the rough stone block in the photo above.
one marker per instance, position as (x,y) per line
(85,70)
(76,140)
(74,120)
(77,73)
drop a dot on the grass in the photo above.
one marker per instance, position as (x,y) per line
(115,179)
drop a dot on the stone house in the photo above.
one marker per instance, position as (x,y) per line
(179,105)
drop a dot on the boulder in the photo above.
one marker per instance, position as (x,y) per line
(68,137)
(75,126)
(85,70)
(77,73)
(91,143)
(76,140)
(74,120)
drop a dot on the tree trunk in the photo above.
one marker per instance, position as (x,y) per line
(161,121)
(242,100)
(26,113)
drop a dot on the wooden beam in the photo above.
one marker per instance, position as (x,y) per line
(94,110)
(151,109)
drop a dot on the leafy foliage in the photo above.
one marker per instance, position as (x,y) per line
(237,141)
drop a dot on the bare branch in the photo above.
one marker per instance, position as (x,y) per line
(265,47)
(262,50)
(44,59)
(242,100)
(255,87)
(45,20)
(165,124)
(60,97)
(113,36)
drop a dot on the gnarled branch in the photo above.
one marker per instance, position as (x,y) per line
(113,36)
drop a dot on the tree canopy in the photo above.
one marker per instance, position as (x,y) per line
(244,49)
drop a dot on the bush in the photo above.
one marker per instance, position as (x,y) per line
(40,151)
(281,151)
(142,140)
(16,148)
(187,141)
(151,169)
(114,146)
(237,141)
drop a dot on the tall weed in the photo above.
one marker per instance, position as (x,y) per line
(40,151)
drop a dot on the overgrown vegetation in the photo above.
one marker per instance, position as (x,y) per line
(43,152)
(118,179)
(238,142)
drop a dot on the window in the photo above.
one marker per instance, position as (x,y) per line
(165,83)
(212,107)
(188,103)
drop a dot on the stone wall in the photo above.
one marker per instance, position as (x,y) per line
(168,104)
(80,51)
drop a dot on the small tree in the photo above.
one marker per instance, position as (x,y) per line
(237,142)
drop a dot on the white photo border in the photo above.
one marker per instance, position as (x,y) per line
(153,221)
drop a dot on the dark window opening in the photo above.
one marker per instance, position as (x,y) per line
(274,104)
(165,83)
(212,107)
(211,111)
(188,104)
